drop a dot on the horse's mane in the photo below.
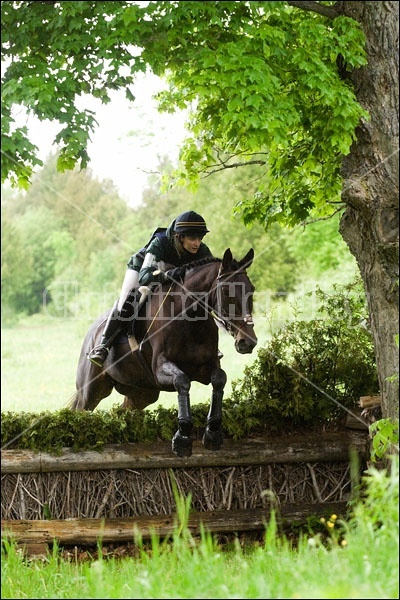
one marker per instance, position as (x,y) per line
(200,263)
(206,261)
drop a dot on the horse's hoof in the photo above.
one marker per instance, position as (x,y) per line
(182,445)
(213,440)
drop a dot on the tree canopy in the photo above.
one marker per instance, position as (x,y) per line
(260,78)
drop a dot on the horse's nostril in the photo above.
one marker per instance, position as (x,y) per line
(245,346)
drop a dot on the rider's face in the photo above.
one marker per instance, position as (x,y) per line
(191,243)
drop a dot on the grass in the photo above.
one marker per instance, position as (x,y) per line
(39,359)
(355,559)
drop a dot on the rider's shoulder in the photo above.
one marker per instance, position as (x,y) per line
(159,245)
(157,234)
(159,239)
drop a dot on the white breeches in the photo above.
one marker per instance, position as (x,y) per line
(131,280)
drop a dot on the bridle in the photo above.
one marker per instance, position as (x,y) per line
(221,315)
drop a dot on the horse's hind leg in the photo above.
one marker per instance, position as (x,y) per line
(213,437)
(91,389)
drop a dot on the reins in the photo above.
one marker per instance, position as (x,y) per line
(219,315)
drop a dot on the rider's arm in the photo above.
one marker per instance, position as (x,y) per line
(152,264)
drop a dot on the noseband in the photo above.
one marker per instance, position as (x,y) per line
(222,315)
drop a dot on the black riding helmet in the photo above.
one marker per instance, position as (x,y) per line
(190,223)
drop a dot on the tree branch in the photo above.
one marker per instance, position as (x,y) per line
(326,11)
(222,166)
(318,219)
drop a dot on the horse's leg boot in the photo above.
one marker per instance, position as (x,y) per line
(213,439)
(182,441)
(182,445)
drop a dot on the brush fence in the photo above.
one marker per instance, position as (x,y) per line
(81,497)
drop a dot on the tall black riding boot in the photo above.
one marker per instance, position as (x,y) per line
(113,326)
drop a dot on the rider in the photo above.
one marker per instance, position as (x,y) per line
(178,245)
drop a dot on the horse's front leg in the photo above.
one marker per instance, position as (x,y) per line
(213,437)
(182,440)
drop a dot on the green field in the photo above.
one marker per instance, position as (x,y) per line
(39,357)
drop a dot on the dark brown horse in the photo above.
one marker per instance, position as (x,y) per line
(177,332)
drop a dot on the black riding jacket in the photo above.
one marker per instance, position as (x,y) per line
(160,252)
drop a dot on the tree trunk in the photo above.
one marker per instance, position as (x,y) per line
(370,187)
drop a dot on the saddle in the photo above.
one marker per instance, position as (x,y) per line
(144,292)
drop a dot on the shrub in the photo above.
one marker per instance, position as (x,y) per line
(311,371)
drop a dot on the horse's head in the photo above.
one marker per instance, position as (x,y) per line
(234,300)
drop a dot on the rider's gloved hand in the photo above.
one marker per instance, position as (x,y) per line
(176,275)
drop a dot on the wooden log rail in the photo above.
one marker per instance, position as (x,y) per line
(370,401)
(89,531)
(35,535)
(311,447)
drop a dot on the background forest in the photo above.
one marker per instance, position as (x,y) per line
(65,245)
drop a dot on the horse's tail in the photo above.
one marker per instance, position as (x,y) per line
(73,403)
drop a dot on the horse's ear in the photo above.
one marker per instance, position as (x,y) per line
(248,259)
(227,259)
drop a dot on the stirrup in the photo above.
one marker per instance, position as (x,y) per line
(98,355)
